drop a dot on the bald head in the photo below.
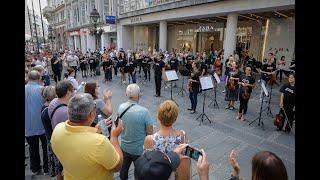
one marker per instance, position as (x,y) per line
(34,75)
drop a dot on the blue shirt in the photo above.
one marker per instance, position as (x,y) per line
(135,122)
(33,104)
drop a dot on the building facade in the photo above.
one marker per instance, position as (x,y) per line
(259,26)
(55,14)
(79,26)
(33,26)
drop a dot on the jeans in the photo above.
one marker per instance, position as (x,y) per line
(243,105)
(133,76)
(33,142)
(194,98)
(127,160)
(115,67)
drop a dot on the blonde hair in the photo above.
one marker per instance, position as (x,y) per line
(49,93)
(168,113)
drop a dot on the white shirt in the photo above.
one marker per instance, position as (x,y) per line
(72,60)
(74,82)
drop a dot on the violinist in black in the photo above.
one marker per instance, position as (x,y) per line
(107,67)
(158,69)
(122,62)
(194,86)
(246,82)
(146,66)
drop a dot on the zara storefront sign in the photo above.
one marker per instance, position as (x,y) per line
(136,19)
(207,28)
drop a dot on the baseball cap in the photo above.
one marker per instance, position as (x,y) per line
(156,165)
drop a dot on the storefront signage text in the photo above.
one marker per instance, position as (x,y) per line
(136,19)
(207,28)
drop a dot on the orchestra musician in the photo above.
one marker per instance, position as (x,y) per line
(232,86)
(246,82)
(194,85)
(158,69)
(268,74)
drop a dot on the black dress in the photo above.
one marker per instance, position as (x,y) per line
(232,94)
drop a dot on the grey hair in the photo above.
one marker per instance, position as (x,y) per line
(133,90)
(34,75)
(79,107)
(49,93)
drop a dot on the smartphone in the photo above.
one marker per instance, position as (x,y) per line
(116,121)
(193,153)
(104,127)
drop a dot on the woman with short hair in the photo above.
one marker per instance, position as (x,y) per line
(168,138)
(48,94)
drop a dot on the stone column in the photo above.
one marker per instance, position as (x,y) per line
(77,42)
(125,37)
(229,44)
(163,35)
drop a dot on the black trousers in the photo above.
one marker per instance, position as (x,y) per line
(57,75)
(33,142)
(290,114)
(158,84)
(243,105)
(127,160)
(281,72)
(147,73)
(108,74)
(75,71)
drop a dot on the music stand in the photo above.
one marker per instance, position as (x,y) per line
(269,112)
(260,113)
(216,81)
(171,75)
(206,84)
(183,72)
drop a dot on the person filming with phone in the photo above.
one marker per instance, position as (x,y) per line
(137,123)
(169,138)
(157,165)
(83,152)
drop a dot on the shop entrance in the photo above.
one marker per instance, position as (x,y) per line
(209,41)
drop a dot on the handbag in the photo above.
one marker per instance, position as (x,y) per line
(279,120)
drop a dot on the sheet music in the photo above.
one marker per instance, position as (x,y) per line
(264,88)
(216,77)
(206,82)
(171,75)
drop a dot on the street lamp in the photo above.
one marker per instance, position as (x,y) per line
(50,35)
(94,17)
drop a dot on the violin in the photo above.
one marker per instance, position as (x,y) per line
(273,79)
(245,92)
(231,84)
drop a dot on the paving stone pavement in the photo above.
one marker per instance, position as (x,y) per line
(217,138)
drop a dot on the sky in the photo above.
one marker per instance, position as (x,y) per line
(37,7)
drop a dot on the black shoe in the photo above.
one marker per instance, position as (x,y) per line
(189,109)
(278,129)
(156,95)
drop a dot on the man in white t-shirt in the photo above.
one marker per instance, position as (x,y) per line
(73,61)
